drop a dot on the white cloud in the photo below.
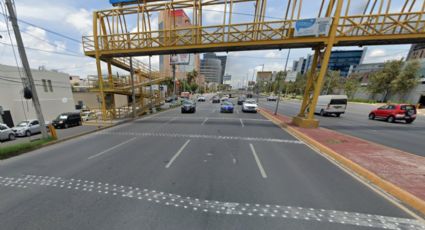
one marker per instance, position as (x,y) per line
(81,20)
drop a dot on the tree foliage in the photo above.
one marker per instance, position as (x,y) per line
(351,85)
(191,76)
(407,79)
(381,81)
(332,82)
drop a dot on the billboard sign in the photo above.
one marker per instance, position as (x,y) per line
(180,59)
(312,27)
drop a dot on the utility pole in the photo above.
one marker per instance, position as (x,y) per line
(133,92)
(150,86)
(286,74)
(174,81)
(26,66)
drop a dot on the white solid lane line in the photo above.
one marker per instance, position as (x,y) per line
(112,148)
(241,122)
(260,166)
(177,154)
(205,120)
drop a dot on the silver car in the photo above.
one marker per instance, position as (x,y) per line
(27,128)
(6,133)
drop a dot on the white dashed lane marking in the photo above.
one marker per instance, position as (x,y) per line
(200,136)
(177,154)
(241,123)
(257,160)
(205,120)
(215,207)
(112,148)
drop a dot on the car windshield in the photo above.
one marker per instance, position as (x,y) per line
(62,117)
(338,102)
(227,103)
(23,124)
(250,101)
(187,102)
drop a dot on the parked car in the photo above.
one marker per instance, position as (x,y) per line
(331,104)
(6,133)
(249,106)
(188,106)
(87,116)
(272,98)
(241,100)
(249,95)
(169,99)
(226,107)
(215,99)
(66,120)
(201,98)
(392,113)
(27,128)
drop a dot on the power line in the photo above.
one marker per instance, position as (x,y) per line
(48,30)
(46,51)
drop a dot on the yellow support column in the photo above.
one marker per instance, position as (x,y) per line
(98,66)
(111,86)
(309,121)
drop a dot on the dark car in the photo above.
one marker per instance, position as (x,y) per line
(391,113)
(241,100)
(226,107)
(66,120)
(215,99)
(249,95)
(188,106)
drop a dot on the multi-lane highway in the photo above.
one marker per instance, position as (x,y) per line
(189,171)
(355,122)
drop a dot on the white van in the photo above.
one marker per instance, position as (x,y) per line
(331,104)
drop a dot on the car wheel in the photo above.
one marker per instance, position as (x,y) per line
(66,126)
(371,116)
(391,119)
(28,133)
(337,114)
(322,113)
(12,137)
(409,121)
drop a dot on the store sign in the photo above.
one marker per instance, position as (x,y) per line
(180,59)
(312,27)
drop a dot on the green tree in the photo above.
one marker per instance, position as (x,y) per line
(332,82)
(299,84)
(193,87)
(407,79)
(351,85)
(191,76)
(276,85)
(381,81)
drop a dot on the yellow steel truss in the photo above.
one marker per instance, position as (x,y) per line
(377,24)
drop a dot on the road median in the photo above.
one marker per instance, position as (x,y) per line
(398,173)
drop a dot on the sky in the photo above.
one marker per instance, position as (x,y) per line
(73,18)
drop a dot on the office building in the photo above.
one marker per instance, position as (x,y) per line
(211,68)
(53,89)
(417,51)
(345,61)
(166,21)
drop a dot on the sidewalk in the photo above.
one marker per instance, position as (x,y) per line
(399,173)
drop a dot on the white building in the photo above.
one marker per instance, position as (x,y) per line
(53,89)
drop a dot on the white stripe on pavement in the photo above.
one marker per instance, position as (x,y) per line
(257,160)
(177,154)
(205,120)
(241,122)
(112,148)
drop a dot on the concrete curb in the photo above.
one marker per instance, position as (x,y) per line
(386,186)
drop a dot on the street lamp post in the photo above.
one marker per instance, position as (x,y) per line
(286,74)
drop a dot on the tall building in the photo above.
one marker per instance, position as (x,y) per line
(208,67)
(211,68)
(345,60)
(417,51)
(166,20)
(299,65)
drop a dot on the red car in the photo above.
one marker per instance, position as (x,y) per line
(391,113)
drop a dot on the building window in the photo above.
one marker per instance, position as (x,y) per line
(49,82)
(44,85)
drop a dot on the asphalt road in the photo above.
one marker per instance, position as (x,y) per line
(188,171)
(355,122)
